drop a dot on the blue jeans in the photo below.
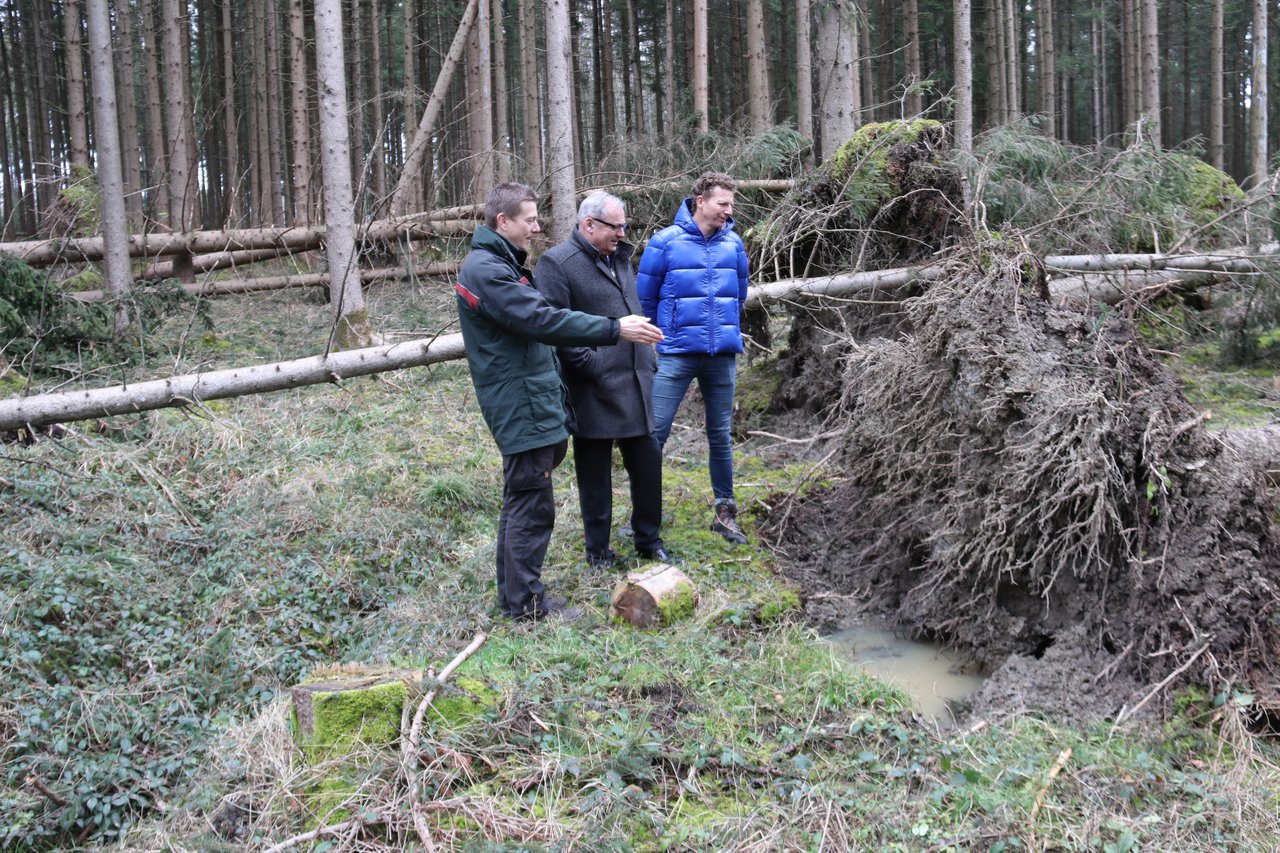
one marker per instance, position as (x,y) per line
(717,376)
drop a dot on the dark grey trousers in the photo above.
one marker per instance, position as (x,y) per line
(593,464)
(524,526)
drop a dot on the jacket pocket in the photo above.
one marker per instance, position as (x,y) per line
(544,394)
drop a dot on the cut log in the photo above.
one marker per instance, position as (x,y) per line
(282,282)
(1258,447)
(655,597)
(44,409)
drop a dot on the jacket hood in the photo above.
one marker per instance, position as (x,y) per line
(684,219)
(491,241)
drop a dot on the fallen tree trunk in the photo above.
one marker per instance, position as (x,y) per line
(298,239)
(45,409)
(209,263)
(282,282)
(1258,448)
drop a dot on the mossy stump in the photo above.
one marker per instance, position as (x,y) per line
(340,710)
(656,597)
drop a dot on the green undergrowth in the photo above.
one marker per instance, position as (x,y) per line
(165,581)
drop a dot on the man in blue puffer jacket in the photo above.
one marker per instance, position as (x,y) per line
(692,284)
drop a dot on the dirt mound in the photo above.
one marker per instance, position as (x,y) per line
(1028,484)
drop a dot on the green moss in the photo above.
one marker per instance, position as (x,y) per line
(343,719)
(777,604)
(680,605)
(863,160)
(1207,191)
(462,701)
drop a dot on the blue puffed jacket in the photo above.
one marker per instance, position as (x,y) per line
(693,287)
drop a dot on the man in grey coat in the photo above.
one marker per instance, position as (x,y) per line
(610,388)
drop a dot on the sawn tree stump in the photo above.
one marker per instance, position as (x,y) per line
(655,597)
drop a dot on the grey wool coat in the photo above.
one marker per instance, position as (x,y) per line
(610,387)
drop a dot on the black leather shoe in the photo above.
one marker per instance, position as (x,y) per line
(660,555)
(551,607)
(602,561)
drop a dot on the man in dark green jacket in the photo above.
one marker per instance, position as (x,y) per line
(510,332)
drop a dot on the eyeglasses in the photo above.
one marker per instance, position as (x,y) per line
(610,225)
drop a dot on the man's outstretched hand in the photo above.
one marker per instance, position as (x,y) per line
(639,330)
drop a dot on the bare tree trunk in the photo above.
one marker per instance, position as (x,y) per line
(420,143)
(804,70)
(501,97)
(1098,75)
(963,39)
(560,161)
(299,114)
(157,150)
(128,116)
(669,71)
(359,127)
(636,124)
(700,80)
(997,88)
(1151,69)
(530,91)
(110,171)
(1215,86)
(836,98)
(1258,106)
(410,193)
(378,151)
(911,19)
(1012,60)
(183,190)
(351,321)
(275,117)
(77,114)
(760,105)
(1048,67)
(480,103)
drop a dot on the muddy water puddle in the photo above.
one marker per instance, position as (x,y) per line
(932,676)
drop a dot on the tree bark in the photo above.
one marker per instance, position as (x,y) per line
(275,115)
(77,114)
(700,82)
(128,115)
(669,71)
(231,286)
(836,98)
(1215,86)
(915,74)
(299,115)
(110,171)
(420,144)
(501,97)
(1151,70)
(804,69)
(1258,104)
(560,160)
(530,92)
(197,388)
(183,188)
(378,150)
(963,39)
(760,104)
(157,154)
(44,252)
(480,103)
(351,322)
(1048,67)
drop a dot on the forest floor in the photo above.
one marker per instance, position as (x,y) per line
(163,583)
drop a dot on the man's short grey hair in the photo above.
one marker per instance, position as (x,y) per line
(594,205)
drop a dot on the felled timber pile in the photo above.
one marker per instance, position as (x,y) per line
(1027,482)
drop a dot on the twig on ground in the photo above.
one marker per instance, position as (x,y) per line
(354,825)
(1126,714)
(1061,762)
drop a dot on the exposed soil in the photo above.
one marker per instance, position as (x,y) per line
(1028,484)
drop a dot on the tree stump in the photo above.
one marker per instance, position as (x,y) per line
(655,597)
(340,710)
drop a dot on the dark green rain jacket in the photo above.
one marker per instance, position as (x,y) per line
(510,331)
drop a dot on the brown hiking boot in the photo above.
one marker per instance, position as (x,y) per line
(726,523)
